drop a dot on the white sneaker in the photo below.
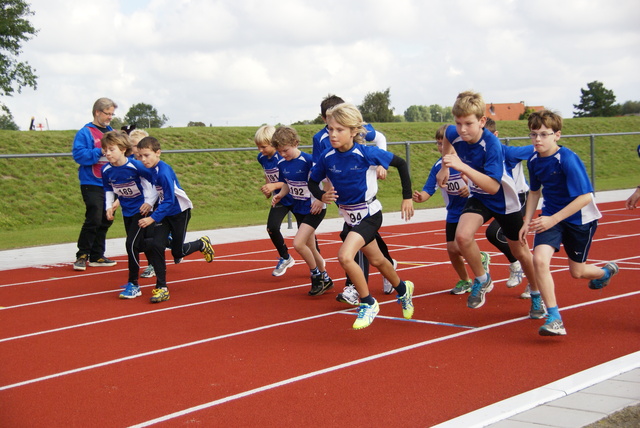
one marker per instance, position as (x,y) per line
(515,274)
(527,293)
(283,265)
(386,285)
(349,296)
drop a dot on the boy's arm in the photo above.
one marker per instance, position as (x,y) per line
(443,174)
(406,208)
(530,209)
(486,183)
(543,223)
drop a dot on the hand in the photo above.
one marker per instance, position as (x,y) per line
(145,209)
(109,213)
(316,207)
(542,223)
(464,192)
(144,222)
(419,196)
(330,196)
(633,200)
(381,173)
(406,210)
(524,231)
(442,178)
(266,190)
(276,199)
(452,161)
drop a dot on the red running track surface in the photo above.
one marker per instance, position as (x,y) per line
(235,346)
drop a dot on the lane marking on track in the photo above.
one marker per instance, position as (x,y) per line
(295,379)
(338,367)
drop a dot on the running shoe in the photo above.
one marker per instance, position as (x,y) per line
(349,296)
(366,314)
(538,310)
(81,263)
(178,260)
(102,261)
(610,269)
(553,327)
(477,297)
(207,249)
(527,293)
(386,285)
(159,295)
(283,265)
(131,291)
(486,259)
(461,287)
(407,300)
(515,274)
(319,285)
(148,272)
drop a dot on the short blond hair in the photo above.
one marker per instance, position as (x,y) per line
(349,116)
(468,103)
(264,134)
(136,135)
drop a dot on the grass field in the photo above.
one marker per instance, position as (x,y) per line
(41,202)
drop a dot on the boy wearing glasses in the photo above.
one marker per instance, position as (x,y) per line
(88,153)
(569,214)
(477,153)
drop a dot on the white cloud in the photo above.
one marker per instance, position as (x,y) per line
(247,62)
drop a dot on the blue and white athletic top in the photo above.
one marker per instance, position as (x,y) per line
(513,159)
(296,174)
(173,199)
(563,178)
(353,175)
(272,174)
(454,202)
(322,143)
(486,156)
(129,184)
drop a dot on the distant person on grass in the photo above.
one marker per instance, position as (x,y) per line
(455,197)
(269,159)
(123,178)
(569,215)
(477,153)
(351,167)
(87,152)
(294,171)
(170,217)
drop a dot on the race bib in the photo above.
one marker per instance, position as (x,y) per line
(126,190)
(299,190)
(454,186)
(353,214)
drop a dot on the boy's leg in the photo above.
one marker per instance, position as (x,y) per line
(465,239)
(274,222)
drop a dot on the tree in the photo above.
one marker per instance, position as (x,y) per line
(196,124)
(6,122)
(14,30)
(630,107)
(417,113)
(144,116)
(440,114)
(596,101)
(375,107)
(526,114)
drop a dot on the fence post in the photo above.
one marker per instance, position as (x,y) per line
(407,149)
(593,161)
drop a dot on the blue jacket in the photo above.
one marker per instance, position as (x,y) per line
(87,152)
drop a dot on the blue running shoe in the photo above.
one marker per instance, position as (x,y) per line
(131,291)
(553,327)
(610,269)
(477,297)
(538,309)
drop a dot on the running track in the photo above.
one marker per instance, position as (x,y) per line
(237,347)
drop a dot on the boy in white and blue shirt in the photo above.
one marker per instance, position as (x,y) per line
(569,214)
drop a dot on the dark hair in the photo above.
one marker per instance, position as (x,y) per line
(149,143)
(328,102)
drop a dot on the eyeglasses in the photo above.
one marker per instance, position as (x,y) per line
(107,114)
(542,135)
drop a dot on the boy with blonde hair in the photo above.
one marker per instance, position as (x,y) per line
(477,153)
(569,214)
(269,159)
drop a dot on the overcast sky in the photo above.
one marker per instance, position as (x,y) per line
(249,62)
